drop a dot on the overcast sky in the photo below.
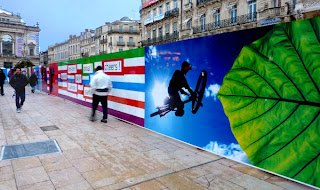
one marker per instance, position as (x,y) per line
(60,18)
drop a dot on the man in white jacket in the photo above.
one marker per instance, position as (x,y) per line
(101,86)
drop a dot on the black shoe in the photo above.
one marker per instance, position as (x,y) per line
(2,94)
(92,118)
(32,91)
(104,121)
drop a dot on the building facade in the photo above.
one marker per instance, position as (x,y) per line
(123,34)
(87,43)
(61,52)
(17,40)
(74,47)
(163,21)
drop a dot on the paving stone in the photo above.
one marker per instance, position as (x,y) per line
(31,176)
(65,177)
(45,185)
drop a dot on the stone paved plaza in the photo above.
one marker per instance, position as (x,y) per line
(115,155)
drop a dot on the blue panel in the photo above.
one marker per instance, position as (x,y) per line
(129,86)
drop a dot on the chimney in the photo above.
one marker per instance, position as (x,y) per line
(70,36)
(86,30)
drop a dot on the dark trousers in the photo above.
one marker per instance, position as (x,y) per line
(175,100)
(104,102)
(1,88)
(20,94)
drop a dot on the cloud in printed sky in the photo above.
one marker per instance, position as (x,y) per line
(232,151)
(212,91)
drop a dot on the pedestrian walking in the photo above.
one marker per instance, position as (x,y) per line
(101,86)
(19,81)
(2,78)
(33,82)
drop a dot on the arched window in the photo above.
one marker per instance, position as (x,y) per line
(7,45)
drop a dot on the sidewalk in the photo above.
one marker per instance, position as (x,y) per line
(115,155)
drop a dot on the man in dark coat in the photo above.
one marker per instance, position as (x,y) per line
(33,82)
(19,81)
(176,85)
(2,78)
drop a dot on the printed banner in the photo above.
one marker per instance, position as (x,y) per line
(254,98)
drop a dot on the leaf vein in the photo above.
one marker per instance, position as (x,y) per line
(257,116)
(301,59)
(306,165)
(294,110)
(280,70)
(290,140)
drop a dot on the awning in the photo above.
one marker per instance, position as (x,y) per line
(186,21)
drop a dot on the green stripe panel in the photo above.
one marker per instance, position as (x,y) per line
(138,52)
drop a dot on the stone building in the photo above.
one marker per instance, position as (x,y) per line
(61,52)
(17,40)
(164,21)
(123,34)
(74,47)
(87,43)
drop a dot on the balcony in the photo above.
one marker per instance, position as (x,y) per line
(104,41)
(202,2)
(103,52)
(275,12)
(85,54)
(243,19)
(188,7)
(131,44)
(172,12)
(123,31)
(119,43)
(161,39)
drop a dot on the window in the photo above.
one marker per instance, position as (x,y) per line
(120,28)
(189,1)
(131,29)
(175,32)
(217,18)
(131,40)
(149,35)
(175,4)
(276,3)
(120,49)
(7,45)
(120,39)
(203,22)
(31,52)
(252,10)
(233,14)
(167,29)
(154,34)
(160,9)
(154,12)
(160,32)
(149,15)
(189,24)
(168,6)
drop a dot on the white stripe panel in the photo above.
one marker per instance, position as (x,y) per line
(66,93)
(79,67)
(132,62)
(126,109)
(85,77)
(64,67)
(128,78)
(70,76)
(134,95)
(80,87)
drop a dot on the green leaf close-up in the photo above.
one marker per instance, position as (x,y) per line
(271,96)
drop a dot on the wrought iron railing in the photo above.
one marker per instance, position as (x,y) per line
(119,43)
(160,39)
(276,11)
(226,23)
(131,44)
(124,31)
(201,2)
(104,41)
(172,12)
